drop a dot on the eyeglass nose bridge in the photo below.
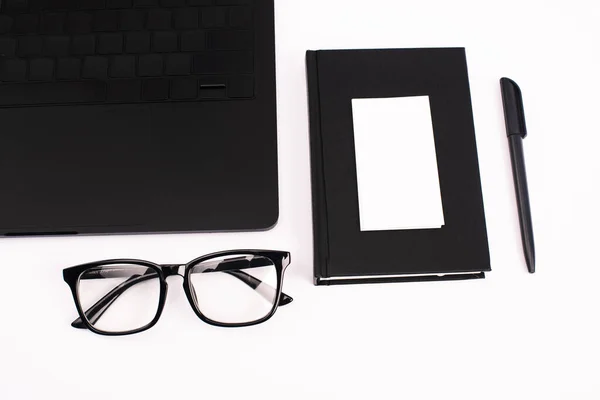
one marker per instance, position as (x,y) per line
(173,269)
(178,270)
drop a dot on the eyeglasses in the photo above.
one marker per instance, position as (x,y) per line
(229,289)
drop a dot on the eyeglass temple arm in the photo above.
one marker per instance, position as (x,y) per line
(235,266)
(96,311)
(264,289)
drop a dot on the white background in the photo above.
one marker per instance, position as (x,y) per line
(511,335)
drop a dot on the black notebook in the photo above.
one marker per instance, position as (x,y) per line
(395,175)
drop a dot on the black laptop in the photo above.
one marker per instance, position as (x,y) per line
(132,116)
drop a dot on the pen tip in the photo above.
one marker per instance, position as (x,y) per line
(530,259)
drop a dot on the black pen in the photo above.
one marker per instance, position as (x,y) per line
(516,131)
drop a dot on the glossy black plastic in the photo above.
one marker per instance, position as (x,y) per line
(513,108)
(516,130)
(517,159)
(87,318)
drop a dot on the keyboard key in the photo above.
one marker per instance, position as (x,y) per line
(30,46)
(200,2)
(83,44)
(184,88)
(186,18)
(16,5)
(206,82)
(172,3)
(61,4)
(36,5)
(5,24)
(233,2)
(106,21)
(164,42)
(124,90)
(230,40)
(214,17)
(57,45)
(240,87)
(110,43)
(41,69)
(7,46)
(178,64)
(122,67)
(150,65)
(68,68)
(79,22)
(156,89)
(95,67)
(146,3)
(53,93)
(12,70)
(53,23)
(137,42)
(91,4)
(159,19)
(241,17)
(118,3)
(213,87)
(25,23)
(193,41)
(224,62)
(131,20)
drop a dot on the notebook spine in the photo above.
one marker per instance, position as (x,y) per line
(319,200)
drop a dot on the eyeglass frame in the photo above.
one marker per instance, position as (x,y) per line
(280,259)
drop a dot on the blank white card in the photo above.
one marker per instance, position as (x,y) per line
(396,164)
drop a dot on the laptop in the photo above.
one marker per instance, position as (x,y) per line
(137,116)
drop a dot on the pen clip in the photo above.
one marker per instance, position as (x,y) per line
(514,115)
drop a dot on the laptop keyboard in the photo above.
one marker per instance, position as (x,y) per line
(125,51)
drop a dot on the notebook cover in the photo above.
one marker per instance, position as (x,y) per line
(459,250)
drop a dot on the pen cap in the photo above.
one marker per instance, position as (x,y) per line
(513,108)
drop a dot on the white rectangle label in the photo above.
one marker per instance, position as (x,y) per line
(396,164)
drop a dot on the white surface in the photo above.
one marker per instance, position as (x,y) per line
(396,164)
(510,336)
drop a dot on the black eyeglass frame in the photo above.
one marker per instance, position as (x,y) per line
(280,259)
